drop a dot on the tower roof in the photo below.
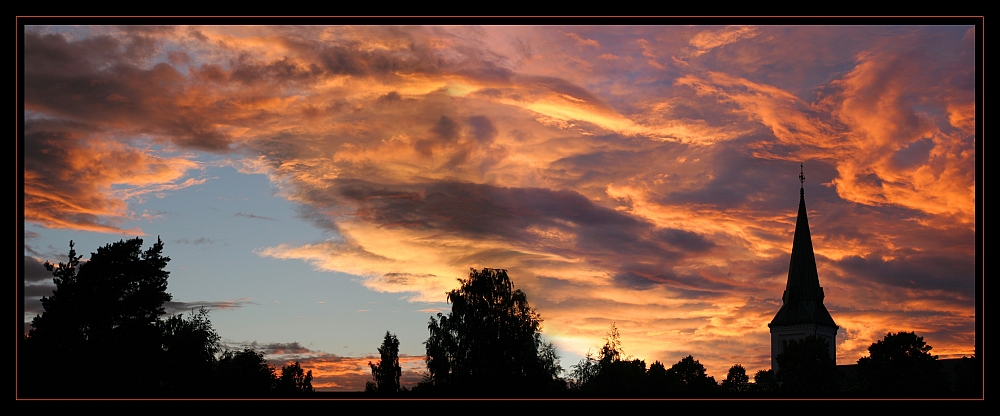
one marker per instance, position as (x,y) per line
(802,302)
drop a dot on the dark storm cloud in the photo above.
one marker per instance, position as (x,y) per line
(38,290)
(33,306)
(279,348)
(614,157)
(444,132)
(34,271)
(923,271)
(635,281)
(741,181)
(483,129)
(914,154)
(390,97)
(761,269)
(348,61)
(643,253)
(356,60)
(250,71)
(685,240)
(95,81)
(645,276)
(476,209)
(446,129)
(787,56)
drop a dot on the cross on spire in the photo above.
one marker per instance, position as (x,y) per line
(802,181)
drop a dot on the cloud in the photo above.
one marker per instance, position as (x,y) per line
(198,241)
(496,226)
(710,39)
(928,272)
(654,185)
(885,151)
(332,372)
(34,271)
(252,216)
(175,307)
(583,42)
(912,156)
(69,79)
(69,178)
(278,348)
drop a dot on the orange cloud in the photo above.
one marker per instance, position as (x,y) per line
(581,41)
(68,181)
(709,39)
(336,373)
(658,197)
(885,152)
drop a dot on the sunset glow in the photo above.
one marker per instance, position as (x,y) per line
(316,186)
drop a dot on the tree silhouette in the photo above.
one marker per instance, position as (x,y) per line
(969,376)
(245,372)
(764,381)
(612,349)
(119,288)
(806,366)
(294,380)
(692,375)
(490,341)
(737,379)
(102,334)
(584,373)
(189,348)
(102,311)
(901,362)
(387,372)
(611,371)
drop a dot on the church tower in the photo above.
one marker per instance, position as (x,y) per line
(802,312)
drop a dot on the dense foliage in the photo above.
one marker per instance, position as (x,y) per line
(900,362)
(101,334)
(736,379)
(613,372)
(387,372)
(490,341)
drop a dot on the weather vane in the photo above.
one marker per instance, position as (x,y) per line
(802,181)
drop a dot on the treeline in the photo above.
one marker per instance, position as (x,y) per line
(101,334)
(490,344)
(900,364)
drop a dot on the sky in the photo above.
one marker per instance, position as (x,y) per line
(318,186)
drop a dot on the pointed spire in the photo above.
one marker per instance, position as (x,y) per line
(802,301)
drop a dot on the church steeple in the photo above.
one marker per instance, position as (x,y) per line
(802,311)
